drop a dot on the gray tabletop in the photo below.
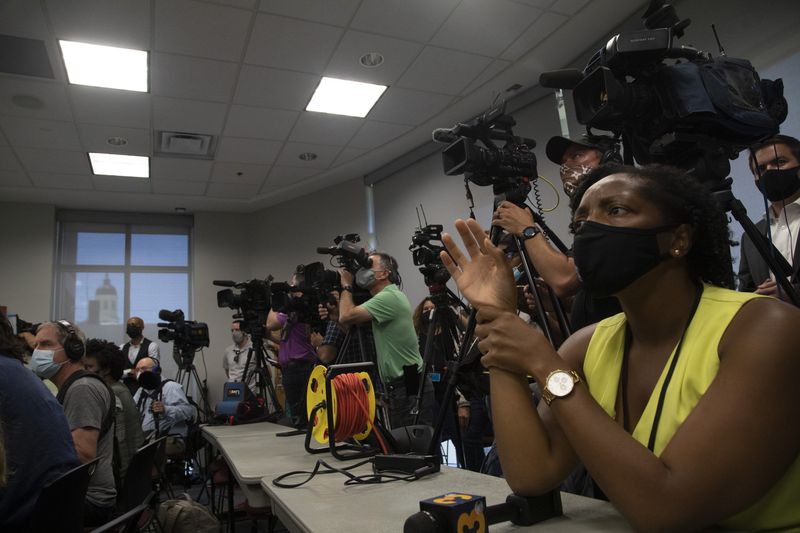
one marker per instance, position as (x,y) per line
(325,504)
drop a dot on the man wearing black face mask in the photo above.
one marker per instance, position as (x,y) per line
(138,347)
(775,164)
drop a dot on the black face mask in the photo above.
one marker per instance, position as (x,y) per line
(149,380)
(133,331)
(610,258)
(779,184)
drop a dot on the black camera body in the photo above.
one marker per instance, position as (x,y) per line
(188,335)
(347,253)
(426,247)
(508,168)
(251,300)
(674,104)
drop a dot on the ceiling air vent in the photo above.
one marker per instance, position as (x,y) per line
(181,144)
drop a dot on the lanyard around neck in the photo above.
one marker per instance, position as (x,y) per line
(663,393)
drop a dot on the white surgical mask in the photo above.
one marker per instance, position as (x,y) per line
(237,336)
(43,365)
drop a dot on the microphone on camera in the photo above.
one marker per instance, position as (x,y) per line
(453,512)
(224,283)
(444,136)
(561,79)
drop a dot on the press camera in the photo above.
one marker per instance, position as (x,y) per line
(347,253)
(188,335)
(426,247)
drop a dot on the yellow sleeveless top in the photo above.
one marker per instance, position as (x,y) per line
(696,368)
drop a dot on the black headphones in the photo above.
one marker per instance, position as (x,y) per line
(73,345)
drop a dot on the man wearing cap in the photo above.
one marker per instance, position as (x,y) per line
(576,157)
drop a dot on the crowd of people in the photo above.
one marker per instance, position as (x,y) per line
(671,394)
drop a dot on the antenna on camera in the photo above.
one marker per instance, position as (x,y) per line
(716,37)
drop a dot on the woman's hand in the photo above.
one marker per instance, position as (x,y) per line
(484,278)
(509,343)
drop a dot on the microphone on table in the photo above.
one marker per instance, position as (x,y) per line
(453,512)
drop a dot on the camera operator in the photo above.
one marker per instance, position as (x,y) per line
(556,269)
(777,162)
(296,356)
(235,356)
(399,360)
(330,348)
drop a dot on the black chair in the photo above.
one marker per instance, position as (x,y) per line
(60,504)
(128,522)
(138,483)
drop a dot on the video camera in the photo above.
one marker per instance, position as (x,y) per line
(673,104)
(509,167)
(301,301)
(188,335)
(251,300)
(348,254)
(426,246)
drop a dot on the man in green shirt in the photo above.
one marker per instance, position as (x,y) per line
(399,361)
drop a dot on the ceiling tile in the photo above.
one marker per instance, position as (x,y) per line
(348,154)
(201,29)
(14,178)
(23,18)
(244,4)
(336,12)
(35,133)
(54,161)
(280,176)
(242,191)
(188,116)
(94,139)
(398,55)
(489,74)
(485,26)
(373,134)
(291,44)
(180,169)
(93,105)
(281,89)
(259,123)
(415,20)
(247,150)
(180,187)
(9,161)
(55,105)
(404,106)
(118,184)
(443,71)
(536,33)
(238,173)
(193,78)
(63,181)
(123,23)
(324,128)
(568,7)
(536,3)
(325,155)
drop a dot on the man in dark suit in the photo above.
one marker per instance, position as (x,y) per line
(775,164)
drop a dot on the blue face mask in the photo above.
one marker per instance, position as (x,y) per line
(365,277)
(42,364)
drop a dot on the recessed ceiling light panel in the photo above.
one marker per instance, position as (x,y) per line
(133,166)
(343,97)
(105,66)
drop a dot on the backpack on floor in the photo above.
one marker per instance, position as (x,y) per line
(184,515)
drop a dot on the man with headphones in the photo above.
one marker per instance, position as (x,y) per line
(399,360)
(89,407)
(556,269)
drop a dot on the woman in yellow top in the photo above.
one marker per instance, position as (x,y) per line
(685,408)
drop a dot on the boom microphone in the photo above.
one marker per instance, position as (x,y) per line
(444,136)
(224,283)
(561,79)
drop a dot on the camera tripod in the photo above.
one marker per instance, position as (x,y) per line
(188,372)
(264,387)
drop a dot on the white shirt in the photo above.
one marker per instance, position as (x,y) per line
(784,229)
(152,351)
(234,359)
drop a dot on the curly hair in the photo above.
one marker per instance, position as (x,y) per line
(10,344)
(108,356)
(682,199)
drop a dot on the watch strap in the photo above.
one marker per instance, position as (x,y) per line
(547,394)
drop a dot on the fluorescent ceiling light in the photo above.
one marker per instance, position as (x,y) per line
(134,166)
(342,97)
(105,66)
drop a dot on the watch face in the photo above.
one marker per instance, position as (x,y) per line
(529,232)
(560,383)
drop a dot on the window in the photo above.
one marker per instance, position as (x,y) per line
(113,266)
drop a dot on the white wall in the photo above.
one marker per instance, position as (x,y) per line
(27,239)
